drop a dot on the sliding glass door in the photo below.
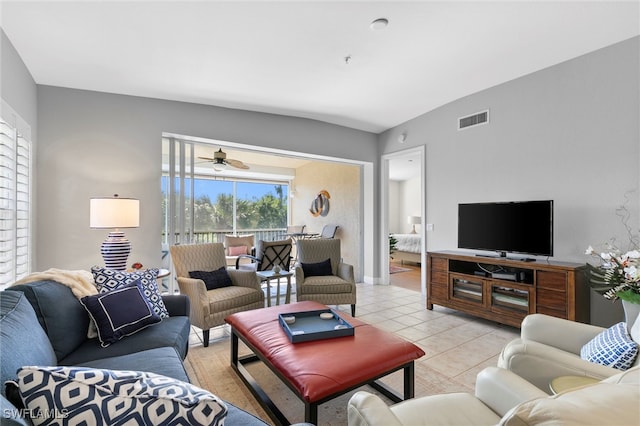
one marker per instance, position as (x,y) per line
(201,204)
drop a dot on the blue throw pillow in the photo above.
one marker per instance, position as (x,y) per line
(80,395)
(213,279)
(613,348)
(319,269)
(120,312)
(110,279)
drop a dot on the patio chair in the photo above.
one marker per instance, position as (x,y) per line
(268,254)
(328,231)
(294,230)
(210,307)
(236,245)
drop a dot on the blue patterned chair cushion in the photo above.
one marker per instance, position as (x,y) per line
(120,312)
(109,279)
(77,395)
(613,348)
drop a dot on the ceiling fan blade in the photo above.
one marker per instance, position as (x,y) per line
(237,164)
(207,158)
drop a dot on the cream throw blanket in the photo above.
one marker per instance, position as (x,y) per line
(80,282)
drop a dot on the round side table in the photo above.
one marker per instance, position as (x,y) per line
(565,383)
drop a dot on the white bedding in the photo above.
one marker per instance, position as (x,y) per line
(408,242)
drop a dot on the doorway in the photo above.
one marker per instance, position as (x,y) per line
(303,175)
(404,214)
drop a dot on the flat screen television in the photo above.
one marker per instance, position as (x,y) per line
(516,227)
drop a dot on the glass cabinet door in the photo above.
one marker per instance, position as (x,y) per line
(466,290)
(510,298)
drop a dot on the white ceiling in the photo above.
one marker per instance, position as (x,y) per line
(404,166)
(288,57)
(262,165)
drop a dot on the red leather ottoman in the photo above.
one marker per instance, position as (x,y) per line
(320,370)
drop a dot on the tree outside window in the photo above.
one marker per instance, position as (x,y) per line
(234,206)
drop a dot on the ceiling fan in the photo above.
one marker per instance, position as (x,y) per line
(220,161)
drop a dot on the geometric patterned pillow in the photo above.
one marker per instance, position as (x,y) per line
(77,395)
(119,313)
(109,279)
(613,347)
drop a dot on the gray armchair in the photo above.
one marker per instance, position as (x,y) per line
(208,308)
(339,288)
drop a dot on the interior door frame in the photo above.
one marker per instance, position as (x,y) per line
(384,212)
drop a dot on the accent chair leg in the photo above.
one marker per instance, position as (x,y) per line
(205,337)
(353,310)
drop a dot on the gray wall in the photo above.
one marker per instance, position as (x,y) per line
(96,144)
(17,87)
(342,182)
(568,133)
(18,92)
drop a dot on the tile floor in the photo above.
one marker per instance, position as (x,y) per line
(457,345)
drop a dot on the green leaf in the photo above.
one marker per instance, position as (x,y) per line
(629,296)
(597,279)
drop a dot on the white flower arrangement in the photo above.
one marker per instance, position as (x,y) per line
(617,276)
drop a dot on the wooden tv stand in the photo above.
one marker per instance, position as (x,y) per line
(506,290)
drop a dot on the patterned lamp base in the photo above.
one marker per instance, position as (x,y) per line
(115,251)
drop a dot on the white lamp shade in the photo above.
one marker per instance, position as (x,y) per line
(114,213)
(414,220)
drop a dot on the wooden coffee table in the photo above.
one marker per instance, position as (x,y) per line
(319,370)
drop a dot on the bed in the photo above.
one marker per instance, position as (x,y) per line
(408,248)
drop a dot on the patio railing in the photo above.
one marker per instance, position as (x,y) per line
(217,236)
(169,285)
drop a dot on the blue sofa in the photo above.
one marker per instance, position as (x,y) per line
(43,323)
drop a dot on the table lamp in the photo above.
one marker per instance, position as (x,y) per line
(114,213)
(413,221)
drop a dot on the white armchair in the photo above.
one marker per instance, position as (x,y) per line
(497,391)
(549,347)
(503,398)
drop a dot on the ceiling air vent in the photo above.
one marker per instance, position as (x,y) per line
(473,120)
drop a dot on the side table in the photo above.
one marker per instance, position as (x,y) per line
(162,286)
(267,276)
(162,273)
(565,383)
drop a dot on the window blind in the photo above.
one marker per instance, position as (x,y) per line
(15,204)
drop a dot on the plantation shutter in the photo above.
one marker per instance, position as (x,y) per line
(15,204)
